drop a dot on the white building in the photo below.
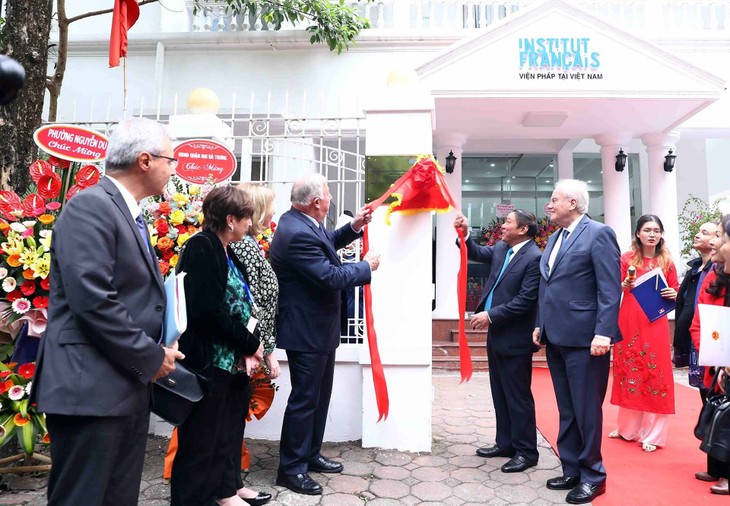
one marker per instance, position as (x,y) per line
(523,93)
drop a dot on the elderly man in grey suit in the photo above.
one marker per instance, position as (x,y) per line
(100,352)
(580,293)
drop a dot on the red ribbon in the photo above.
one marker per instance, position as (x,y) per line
(464,352)
(376,366)
(420,180)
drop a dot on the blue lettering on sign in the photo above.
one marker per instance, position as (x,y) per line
(558,54)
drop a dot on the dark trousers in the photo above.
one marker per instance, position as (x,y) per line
(718,468)
(96,460)
(208,461)
(580,381)
(306,411)
(510,378)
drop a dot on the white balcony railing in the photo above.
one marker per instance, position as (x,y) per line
(657,19)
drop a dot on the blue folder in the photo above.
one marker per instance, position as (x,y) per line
(648,295)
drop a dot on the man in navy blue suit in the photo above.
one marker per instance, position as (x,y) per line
(507,311)
(580,293)
(311,279)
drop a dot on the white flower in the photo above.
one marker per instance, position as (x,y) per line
(18,227)
(27,390)
(21,305)
(29,223)
(9,284)
(3,273)
(16,392)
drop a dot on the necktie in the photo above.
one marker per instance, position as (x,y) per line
(488,303)
(564,241)
(142,226)
(553,258)
(323,233)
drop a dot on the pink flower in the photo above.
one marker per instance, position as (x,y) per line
(16,392)
(21,305)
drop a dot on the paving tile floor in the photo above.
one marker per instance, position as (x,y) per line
(451,475)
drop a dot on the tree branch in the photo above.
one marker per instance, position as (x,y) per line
(104,11)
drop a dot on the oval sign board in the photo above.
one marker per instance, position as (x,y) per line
(71,142)
(201,159)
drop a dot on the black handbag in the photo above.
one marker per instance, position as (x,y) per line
(714,401)
(717,441)
(175,395)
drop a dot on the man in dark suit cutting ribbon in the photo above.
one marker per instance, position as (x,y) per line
(311,279)
(580,293)
(100,352)
(506,310)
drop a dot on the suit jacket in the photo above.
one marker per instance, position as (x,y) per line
(514,302)
(204,260)
(580,296)
(105,311)
(311,278)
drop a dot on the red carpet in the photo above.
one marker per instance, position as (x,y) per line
(664,477)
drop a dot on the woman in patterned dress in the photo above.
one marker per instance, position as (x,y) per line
(643,383)
(264,285)
(263,282)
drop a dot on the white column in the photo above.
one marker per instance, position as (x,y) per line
(565,160)
(447,254)
(400,123)
(663,187)
(616,190)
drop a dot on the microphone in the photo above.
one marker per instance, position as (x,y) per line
(631,273)
(12,78)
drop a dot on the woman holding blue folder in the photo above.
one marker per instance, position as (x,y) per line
(643,383)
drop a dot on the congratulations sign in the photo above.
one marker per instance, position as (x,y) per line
(201,159)
(558,58)
(70,142)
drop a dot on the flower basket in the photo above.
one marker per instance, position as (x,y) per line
(26,223)
(173,219)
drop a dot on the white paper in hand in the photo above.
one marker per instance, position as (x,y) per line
(714,335)
(176,316)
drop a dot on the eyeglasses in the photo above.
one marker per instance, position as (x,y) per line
(173,161)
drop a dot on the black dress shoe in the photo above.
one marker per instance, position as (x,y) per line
(260,499)
(324,465)
(493,451)
(563,483)
(518,464)
(585,492)
(299,483)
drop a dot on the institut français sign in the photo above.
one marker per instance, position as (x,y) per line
(558,58)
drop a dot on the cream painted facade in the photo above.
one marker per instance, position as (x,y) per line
(458,82)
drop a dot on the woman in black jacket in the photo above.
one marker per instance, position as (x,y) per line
(222,347)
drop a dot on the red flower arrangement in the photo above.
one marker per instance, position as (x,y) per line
(174,220)
(26,223)
(17,415)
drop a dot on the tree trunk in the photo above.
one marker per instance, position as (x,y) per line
(25,38)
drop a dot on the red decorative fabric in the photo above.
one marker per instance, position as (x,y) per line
(422,188)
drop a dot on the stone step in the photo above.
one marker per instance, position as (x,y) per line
(473,336)
(479,362)
(451,349)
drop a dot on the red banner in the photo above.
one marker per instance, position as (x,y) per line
(70,142)
(202,159)
(422,188)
